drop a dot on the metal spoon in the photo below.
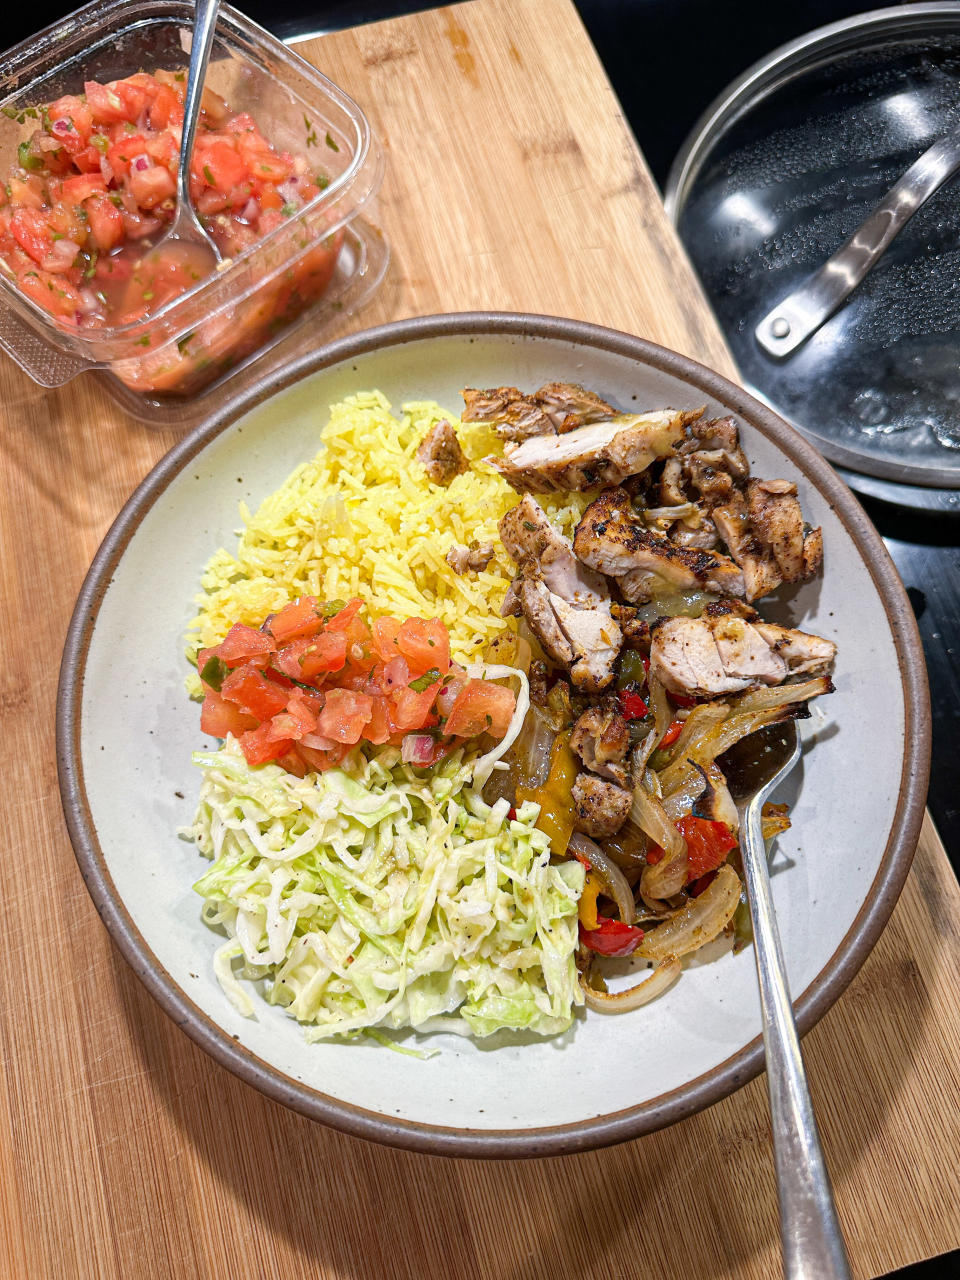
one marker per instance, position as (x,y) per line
(802,312)
(186,228)
(810,1233)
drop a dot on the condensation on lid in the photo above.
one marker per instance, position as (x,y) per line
(782,169)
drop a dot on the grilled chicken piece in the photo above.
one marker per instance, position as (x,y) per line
(601,739)
(760,572)
(611,539)
(513,415)
(600,808)
(566,605)
(602,453)
(671,483)
(710,656)
(568,405)
(441,455)
(719,440)
(527,534)
(470,559)
(777,522)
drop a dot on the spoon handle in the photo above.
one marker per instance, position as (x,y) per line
(812,1244)
(204,28)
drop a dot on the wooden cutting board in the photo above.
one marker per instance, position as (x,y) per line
(125,1152)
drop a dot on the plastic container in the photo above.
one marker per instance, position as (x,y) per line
(167,367)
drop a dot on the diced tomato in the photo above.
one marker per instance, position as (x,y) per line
(670,737)
(293,762)
(166,109)
(612,937)
(151,185)
(106,222)
(380,727)
(122,154)
(411,709)
(71,121)
(295,620)
(425,643)
(344,715)
(220,165)
(481,707)
(325,652)
(708,843)
(258,747)
(385,638)
(320,761)
(342,619)
(253,692)
(218,717)
(54,293)
(244,644)
(296,720)
(32,233)
(106,105)
(87,160)
(76,190)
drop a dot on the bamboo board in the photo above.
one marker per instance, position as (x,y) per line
(125,1152)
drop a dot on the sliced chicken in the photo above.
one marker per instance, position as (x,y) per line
(600,808)
(711,656)
(557,407)
(601,738)
(527,534)
(470,559)
(777,523)
(568,405)
(602,453)
(566,605)
(612,539)
(759,568)
(441,455)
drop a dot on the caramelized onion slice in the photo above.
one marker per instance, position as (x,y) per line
(664,975)
(648,814)
(612,879)
(699,922)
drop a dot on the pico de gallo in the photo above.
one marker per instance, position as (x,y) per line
(316,679)
(93,190)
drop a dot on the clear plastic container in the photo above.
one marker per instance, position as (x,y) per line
(166,367)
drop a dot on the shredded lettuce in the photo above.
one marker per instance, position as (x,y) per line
(379,895)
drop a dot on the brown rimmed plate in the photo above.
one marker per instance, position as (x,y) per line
(125,732)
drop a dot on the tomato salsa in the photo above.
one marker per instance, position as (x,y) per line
(315,679)
(94,189)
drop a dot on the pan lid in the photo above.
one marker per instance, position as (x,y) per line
(780,170)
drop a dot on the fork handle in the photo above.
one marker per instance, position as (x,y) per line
(812,1244)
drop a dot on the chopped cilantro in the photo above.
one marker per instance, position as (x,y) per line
(182,343)
(9,112)
(208,175)
(425,681)
(528,524)
(331,143)
(331,607)
(100,142)
(288,209)
(144,341)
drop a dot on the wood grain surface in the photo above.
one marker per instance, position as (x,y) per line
(124,1151)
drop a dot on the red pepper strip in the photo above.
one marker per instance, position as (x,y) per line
(681,700)
(512,815)
(633,706)
(698,886)
(670,737)
(654,854)
(708,843)
(612,938)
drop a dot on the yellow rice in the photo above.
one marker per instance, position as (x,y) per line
(362,518)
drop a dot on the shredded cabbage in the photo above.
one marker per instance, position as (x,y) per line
(380,895)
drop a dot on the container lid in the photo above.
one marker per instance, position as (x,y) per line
(777,174)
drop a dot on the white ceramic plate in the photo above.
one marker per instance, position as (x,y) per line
(126,731)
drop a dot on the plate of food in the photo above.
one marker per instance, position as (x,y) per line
(392,721)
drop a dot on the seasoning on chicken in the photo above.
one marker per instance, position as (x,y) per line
(557,407)
(600,808)
(714,655)
(601,738)
(777,522)
(602,453)
(441,455)
(612,539)
(568,405)
(470,559)
(566,606)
